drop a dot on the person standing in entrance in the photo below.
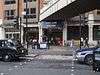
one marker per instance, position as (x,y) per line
(72,43)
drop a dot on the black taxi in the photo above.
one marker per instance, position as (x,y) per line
(10,50)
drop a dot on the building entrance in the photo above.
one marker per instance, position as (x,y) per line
(54,36)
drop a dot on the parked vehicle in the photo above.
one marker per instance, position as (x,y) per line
(10,50)
(85,55)
(97,60)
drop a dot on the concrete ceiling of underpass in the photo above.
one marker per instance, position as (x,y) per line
(74,9)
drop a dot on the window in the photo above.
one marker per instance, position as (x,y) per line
(9,14)
(32,10)
(31,13)
(30,16)
(27,11)
(7,35)
(10,1)
(98,12)
(6,12)
(28,0)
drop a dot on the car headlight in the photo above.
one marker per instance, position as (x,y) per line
(22,51)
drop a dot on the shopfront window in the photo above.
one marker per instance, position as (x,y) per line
(96,34)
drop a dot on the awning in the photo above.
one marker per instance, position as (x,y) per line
(74,9)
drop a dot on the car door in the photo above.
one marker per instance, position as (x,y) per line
(0,48)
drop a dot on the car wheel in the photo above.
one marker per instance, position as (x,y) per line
(7,57)
(89,59)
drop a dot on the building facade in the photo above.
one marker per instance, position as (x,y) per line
(2,32)
(12,9)
(79,20)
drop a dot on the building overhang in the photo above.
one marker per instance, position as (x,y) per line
(74,9)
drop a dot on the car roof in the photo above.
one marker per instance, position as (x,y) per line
(86,49)
(6,40)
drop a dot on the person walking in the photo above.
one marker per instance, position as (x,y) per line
(82,40)
(86,43)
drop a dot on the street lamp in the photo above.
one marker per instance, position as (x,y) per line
(18,14)
(18,20)
(26,12)
(80,32)
(26,22)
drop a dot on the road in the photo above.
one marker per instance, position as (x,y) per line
(44,67)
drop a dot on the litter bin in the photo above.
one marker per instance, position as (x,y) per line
(43,45)
(35,47)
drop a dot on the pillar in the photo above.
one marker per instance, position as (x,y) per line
(65,34)
(40,32)
(90,26)
(2,30)
(2,33)
(90,33)
(22,32)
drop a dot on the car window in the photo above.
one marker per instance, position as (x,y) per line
(10,44)
(98,50)
(2,43)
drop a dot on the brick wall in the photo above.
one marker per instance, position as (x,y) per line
(1,9)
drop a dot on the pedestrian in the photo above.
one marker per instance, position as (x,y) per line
(82,40)
(98,43)
(34,43)
(72,43)
(86,43)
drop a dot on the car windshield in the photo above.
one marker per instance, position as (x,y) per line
(9,43)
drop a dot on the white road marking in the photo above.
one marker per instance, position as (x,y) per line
(15,66)
(72,74)
(72,70)
(21,64)
(1,73)
(73,67)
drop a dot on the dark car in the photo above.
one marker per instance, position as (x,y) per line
(10,50)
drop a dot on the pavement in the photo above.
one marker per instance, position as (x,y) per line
(53,53)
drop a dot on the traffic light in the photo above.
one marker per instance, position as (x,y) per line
(16,23)
(84,20)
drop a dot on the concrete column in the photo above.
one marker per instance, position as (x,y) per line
(90,25)
(12,36)
(90,33)
(40,32)
(2,33)
(65,34)
(22,32)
